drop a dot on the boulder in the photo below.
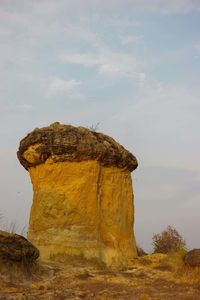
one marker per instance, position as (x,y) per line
(16,248)
(192,258)
(83,198)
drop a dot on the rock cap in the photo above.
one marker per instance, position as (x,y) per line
(69,143)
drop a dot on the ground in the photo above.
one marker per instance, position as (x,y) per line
(155,277)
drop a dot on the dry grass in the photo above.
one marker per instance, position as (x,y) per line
(181,272)
(187,274)
(172,266)
(12,226)
(19,271)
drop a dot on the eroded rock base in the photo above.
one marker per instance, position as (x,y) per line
(82,208)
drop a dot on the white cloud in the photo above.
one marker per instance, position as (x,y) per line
(4,32)
(169,7)
(129,39)
(141,77)
(47,11)
(25,107)
(106,61)
(197,46)
(80,33)
(58,85)
(88,7)
(109,63)
(166,117)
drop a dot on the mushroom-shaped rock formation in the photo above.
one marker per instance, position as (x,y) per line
(83,199)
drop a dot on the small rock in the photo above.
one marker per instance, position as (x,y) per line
(192,258)
(16,248)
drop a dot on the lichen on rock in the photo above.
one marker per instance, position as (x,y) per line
(69,143)
(83,198)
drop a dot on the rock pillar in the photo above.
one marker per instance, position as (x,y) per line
(83,198)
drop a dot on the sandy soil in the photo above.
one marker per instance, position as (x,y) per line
(80,279)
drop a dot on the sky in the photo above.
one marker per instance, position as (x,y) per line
(131,66)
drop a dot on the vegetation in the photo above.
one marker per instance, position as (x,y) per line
(168,241)
(12,226)
(94,127)
(140,251)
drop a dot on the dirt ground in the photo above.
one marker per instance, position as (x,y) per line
(80,279)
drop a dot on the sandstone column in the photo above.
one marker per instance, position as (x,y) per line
(83,199)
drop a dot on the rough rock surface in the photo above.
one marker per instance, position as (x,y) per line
(192,258)
(15,247)
(83,199)
(69,143)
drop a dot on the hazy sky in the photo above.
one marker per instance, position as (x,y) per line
(131,65)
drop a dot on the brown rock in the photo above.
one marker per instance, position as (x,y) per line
(83,199)
(15,247)
(192,258)
(69,143)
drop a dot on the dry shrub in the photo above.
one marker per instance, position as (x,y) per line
(168,241)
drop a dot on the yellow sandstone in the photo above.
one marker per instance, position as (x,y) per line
(83,199)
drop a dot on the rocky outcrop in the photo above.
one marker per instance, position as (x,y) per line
(16,248)
(83,199)
(192,258)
